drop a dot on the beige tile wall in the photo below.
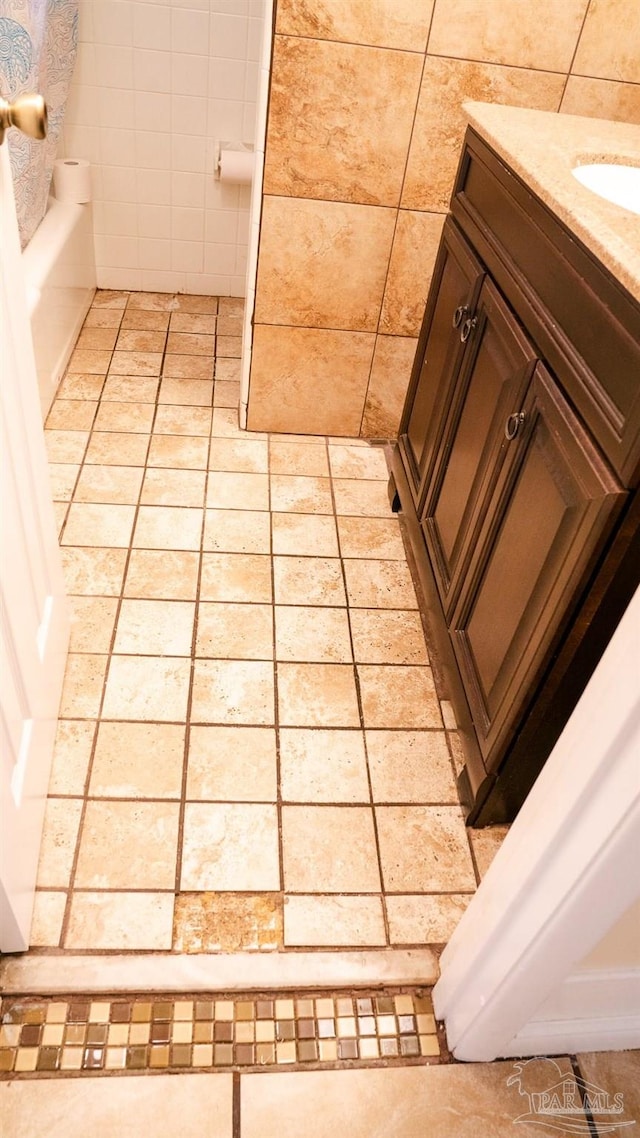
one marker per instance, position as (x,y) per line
(364,133)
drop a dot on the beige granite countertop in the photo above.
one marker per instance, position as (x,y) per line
(543,148)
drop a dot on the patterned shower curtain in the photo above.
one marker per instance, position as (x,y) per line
(38,40)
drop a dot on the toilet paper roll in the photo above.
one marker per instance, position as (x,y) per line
(237,166)
(72,180)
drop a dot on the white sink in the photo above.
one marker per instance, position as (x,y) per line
(618,184)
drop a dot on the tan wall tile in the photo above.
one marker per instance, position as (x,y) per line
(353,110)
(508,33)
(384,23)
(609,46)
(390,374)
(415,245)
(322,264)
(602,98)
(309,380)
(440,121)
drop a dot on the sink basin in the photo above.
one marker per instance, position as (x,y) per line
(618,184)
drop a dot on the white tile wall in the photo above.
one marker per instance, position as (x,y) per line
(156,84)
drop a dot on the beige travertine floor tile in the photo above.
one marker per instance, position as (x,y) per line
(135,418)
(361,498)
(237,491)
(60,510)
(110,298)
(236,577)
(403,25)
(421,919)
(81,386)
(388,637)
(168,527)
(323,766)
(617,1072)
(377,538)
(128,845)
(236,454)
(166,487)
(348,922)
(162,574)
(234,764)
(46,923)
(188,367)
(228,369)
(224,425)
(89,570)
(485,845)
(92,622)
(328,849)
(187,302)
(126,1107)
(147,688)
(230,324)
(59,837)
(83,684)
(235,631)
(231,305)
(308,580)
(193,322)
(71,755)
(144,321)
(230,846)
(71,415)
(297,458)
(194,344)
(304,534)
(349,461)
(233,691)
(410,766)
(317,695)
(171,420)
(140,340)
(138,760)
(396,695)
(179,451)
(155,628)
(90,361)
(226,393)
(65,446)
(379,585)
(103,318)
(186,392)
(411,1101)
(118,448)
(62,476)
(301,495)
(314,634)
(130,389)
(136,363)
(424,849)
(229,346)
(236,531)
(128,922)
(109,484)
(227,922)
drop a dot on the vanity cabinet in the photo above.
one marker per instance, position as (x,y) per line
(516,469)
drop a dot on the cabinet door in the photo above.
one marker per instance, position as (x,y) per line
(495,373)
(454,289)
(551,511)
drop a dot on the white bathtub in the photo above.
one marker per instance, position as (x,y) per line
(60,274)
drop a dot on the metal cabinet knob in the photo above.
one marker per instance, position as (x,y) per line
(513,424)
(28,113)
(458,315)
(467,328)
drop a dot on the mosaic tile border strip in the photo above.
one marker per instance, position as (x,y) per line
(80,1034)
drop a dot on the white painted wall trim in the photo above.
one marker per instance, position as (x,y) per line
(565,873)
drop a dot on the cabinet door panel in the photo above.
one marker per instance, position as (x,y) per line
(551,510)
(456,283)
(494,376)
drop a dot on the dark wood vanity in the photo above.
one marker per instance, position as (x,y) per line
(516,469)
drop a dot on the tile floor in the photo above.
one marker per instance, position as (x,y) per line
(251,751)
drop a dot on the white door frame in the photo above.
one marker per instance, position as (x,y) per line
(567,870)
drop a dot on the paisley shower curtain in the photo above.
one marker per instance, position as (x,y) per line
(38,40)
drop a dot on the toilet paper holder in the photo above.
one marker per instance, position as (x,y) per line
(219,146)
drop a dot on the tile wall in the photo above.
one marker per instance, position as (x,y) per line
(363,137)
(157,82)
